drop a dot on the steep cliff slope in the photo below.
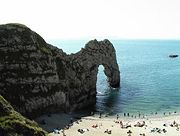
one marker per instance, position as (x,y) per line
(14,124)
(36,76)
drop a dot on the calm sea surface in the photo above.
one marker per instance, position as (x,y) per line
(150,80)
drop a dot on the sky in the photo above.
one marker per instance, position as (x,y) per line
(80,19)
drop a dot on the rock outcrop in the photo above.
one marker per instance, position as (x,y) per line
(36,76)
(14,124)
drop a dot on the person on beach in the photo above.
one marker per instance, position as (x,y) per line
(117,116)
(129,133)
(100,114)
(95,126)
(174,124)
(108,131)
(140,124)
(121,124)
(63,133)
(124,126)
(77,122)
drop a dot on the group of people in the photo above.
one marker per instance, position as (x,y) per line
(175,124)
(122,125)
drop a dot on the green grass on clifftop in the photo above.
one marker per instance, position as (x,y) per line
(14,124)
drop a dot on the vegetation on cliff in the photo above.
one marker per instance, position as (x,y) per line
(13,123)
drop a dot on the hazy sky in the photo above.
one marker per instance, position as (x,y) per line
(74,19)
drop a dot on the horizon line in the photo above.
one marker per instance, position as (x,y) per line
(122,39)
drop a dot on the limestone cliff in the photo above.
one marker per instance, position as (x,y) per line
(36,76)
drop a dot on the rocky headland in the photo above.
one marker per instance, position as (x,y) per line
(37,77)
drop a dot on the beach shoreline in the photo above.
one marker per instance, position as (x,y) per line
(94,125)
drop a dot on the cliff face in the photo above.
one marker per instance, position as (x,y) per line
(36,76)
(14,124)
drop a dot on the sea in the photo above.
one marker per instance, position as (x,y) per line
(150,79)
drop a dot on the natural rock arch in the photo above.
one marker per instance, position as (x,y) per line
(86,63)
(38,77)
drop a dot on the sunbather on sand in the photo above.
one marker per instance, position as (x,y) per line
(140,124)
(124,126)
(95,126)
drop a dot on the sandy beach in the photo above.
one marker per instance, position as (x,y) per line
(94,126)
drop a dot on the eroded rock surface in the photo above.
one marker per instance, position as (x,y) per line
(36,76)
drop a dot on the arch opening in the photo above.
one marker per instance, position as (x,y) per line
(102,84)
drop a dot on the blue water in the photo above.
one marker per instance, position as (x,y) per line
(150,80)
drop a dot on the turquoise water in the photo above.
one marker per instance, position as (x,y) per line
(150,80)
